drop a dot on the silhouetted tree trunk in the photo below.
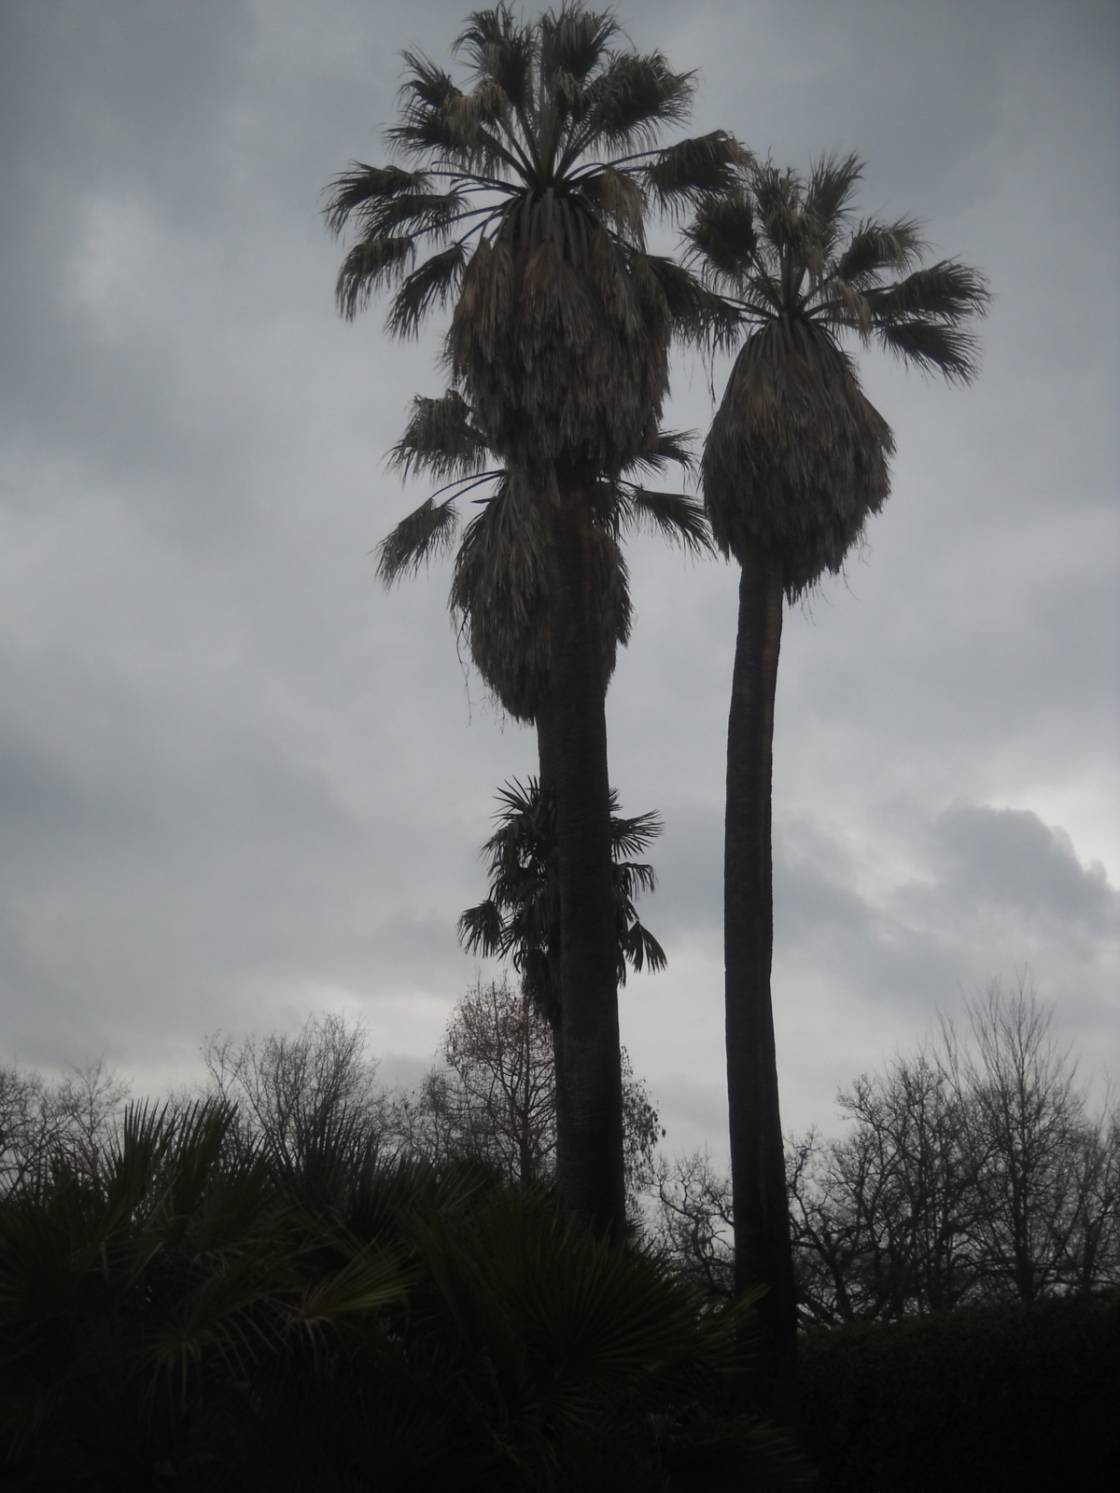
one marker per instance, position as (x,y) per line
(548,752)
(591,1168)
(759,1205)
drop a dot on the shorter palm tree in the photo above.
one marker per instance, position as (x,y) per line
(520,919)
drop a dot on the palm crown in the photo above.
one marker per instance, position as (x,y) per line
(521,916)
(530,189)
(797,456)
(499,587)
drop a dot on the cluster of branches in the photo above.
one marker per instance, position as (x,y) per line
(42,1122)
(971,1171)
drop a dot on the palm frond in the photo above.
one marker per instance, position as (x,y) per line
(948,291)
(499,50)
(672,515)
(933,348)
(434,283)
(618,199)
(369,265)
(832,179)
(696,314)
(440,440)
(672,445)
(432,213)
(875,247)
(643,950)
(633,98)
(425,96)
(723,236)
(633,835)
(688,172)
(365,191)
(779,208)
(429,531)
(630,879)
(481,929)
(573,40)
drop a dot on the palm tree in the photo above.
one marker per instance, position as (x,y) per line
(499,590)
(532,188)
(795,462)
(520,918)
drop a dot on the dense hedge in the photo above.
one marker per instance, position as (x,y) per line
(999,1397)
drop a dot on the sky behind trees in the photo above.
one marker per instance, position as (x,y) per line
(238,781)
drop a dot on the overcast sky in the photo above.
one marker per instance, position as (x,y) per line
(239,782)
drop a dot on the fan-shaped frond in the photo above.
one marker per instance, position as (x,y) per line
(481,929)
(933,347)
(632,836)
(369,265)
(832,179)
(499,50)
(948,291)
(618,200)
(687,173)
(365,190)
(695,313)
(434,283)
(633,98)
(643,950)
(877,247)
(722,236)
(440,440)
(428,532)
(574,40)
(668,446)
(779,208)
(416,212)
(672,515)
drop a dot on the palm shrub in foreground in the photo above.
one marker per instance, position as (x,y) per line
(192,1314)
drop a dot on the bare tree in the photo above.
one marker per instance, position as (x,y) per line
(969,1171)
(494,1094)
(1044,1159)
(693,1223)
(38,1119)
(291,1089)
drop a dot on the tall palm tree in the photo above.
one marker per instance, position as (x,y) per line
(795,462)
(532,187)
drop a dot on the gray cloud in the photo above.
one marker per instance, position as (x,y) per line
(238,781)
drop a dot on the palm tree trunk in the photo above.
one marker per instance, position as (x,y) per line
(761,1211)
(548,754)
(590,1170)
